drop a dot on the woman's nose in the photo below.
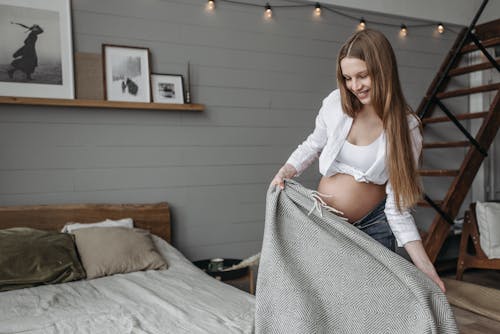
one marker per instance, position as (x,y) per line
(356,84)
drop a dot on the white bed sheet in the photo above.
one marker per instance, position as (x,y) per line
(181,299)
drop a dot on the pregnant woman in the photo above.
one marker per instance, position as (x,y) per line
(368,141)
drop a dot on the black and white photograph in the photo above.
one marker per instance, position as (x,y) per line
(36,56)
(167,88)
(126,73)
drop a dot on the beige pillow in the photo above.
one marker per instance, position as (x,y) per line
(106,251)
(488,221)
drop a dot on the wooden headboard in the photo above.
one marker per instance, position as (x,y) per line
(153,217)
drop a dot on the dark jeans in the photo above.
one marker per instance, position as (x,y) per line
(376,226)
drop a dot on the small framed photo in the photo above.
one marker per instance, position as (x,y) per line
(167,88)
(126,73)
(36,49)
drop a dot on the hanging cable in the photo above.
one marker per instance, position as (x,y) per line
(318,9)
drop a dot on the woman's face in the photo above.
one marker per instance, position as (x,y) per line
(356,78)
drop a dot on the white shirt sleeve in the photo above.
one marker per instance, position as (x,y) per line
(401,222)
(311,148)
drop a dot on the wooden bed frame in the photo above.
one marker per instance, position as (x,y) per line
(153,217)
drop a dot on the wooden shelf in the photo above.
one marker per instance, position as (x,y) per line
(98,104)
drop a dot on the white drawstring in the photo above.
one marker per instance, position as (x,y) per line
(319,203)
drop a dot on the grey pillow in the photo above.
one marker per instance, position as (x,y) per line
(106,251)
(30,257)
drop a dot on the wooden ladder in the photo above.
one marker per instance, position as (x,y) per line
(468,40)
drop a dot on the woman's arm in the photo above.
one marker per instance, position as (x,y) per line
(403,224)
(303,155)
(307,151)
(420,259)
(401,221)
(310,149)
(285,172)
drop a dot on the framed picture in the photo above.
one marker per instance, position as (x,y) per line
(167,88)
(126,73)
(36,49)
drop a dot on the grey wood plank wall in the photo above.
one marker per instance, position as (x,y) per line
(262,83)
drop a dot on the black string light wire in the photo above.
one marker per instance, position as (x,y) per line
(318,10)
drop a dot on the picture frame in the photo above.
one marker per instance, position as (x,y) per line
(167,88)
(36,49)
(126,72)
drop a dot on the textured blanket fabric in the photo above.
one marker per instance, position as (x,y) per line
(318,274)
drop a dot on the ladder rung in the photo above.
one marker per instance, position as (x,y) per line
(486,43)
(467,91)
(463,143)
(472,68)
(488,30)
(438,172)
(459,117)
(426,204)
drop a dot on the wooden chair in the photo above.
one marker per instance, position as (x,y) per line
(478,259)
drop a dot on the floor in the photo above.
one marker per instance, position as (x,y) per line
(471,323)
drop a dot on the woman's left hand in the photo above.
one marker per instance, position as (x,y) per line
(419,257)
(430,271)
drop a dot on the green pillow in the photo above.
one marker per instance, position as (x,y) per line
(30,257)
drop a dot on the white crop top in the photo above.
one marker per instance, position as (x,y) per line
(359,157)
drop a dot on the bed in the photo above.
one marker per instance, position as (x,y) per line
(180,299)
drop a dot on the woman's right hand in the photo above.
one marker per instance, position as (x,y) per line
(285,172)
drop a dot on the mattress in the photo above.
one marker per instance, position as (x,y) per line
(181,299)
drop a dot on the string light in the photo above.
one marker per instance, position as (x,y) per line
(210,5)
(269,11)
(317,9)
(404,30)
(440,28)
(362,24)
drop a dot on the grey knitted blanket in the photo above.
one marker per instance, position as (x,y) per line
(319,274)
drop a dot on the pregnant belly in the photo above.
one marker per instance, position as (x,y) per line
(354,199)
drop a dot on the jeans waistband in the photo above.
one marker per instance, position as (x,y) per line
(372,217)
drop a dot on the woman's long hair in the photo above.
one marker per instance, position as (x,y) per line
(390,105)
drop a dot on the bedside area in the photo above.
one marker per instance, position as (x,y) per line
(241,278)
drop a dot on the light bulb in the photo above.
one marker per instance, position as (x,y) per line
(440,28)
(269,11)
(362,24)
(317,9)
(404,30)
(210,5)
